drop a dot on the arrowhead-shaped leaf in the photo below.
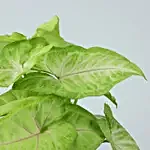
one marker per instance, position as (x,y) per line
(80,72)
(37,126)
(46,122)
(118,137)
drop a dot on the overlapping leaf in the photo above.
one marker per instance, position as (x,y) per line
(80,72)
(18,58)
(18,54)
(50,31)
(90,137)
(37,126)
(46,122)
(118,137)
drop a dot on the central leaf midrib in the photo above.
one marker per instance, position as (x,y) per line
(86,71)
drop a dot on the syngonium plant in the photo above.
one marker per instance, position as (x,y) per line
(48,76)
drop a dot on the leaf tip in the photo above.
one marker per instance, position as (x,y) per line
(141,73)
(56,17)
(111,98)
(144,76)
(138,71)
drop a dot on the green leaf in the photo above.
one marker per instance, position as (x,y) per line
(37,126)
(81,72)
(111,98)
(89,134)
(6,39)
(118,137)
(50,26)
(50,31)
(18,58)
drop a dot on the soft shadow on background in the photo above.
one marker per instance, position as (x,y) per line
(123,26)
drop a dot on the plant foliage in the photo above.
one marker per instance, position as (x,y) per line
(46,73)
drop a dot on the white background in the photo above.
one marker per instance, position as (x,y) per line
(123,26)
